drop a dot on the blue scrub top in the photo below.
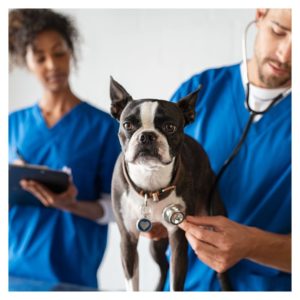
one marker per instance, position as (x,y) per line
(49,244)
(256,186)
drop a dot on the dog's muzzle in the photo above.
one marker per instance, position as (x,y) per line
(147,137)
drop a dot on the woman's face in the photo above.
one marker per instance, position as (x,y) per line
(48,58)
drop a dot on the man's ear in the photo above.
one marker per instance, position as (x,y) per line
(187,105)
(119,98)
(260,14)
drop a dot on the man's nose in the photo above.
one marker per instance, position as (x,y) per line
(284,51)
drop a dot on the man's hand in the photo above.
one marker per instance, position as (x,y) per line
(217,241)
(221,243)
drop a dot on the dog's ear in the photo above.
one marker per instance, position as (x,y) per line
(119,98)
(187,106)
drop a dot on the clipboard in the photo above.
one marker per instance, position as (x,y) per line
(56,181)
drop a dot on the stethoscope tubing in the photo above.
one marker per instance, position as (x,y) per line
(252,112)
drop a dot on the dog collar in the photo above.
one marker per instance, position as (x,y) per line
(155,195)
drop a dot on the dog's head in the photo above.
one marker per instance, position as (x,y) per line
(151,131)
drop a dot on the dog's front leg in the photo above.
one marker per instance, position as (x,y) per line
(179,260)
(130,261)
(158,251)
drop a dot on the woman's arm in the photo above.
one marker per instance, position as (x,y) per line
(92,210)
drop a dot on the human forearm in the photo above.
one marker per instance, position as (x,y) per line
(221,243)
(88,209)
(270,249)
(66,201)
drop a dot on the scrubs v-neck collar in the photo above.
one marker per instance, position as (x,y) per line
(243,114)
(59,125)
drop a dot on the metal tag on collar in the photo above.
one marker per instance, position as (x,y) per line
(144,224)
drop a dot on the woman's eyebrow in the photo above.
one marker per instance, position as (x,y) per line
(36,50)
(57,44)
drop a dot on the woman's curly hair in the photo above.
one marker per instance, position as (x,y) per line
(25,24)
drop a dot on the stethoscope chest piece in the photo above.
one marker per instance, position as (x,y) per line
(174,214)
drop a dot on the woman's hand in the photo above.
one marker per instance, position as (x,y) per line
(91,210)
(48,198)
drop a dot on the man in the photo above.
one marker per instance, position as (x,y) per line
(254,242)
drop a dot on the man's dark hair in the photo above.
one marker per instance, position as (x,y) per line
(25,24)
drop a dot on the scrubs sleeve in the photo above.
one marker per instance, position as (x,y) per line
(12,131)
(187,87)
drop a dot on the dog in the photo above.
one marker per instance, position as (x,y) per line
(160,176)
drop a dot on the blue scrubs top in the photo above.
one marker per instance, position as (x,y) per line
(256,186)
(49,244)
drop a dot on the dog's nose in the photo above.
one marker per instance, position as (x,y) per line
(147,137)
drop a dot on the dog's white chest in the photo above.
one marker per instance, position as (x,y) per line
(132,209)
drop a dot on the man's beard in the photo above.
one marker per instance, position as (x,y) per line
(273,81)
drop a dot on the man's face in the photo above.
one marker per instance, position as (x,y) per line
(272,51)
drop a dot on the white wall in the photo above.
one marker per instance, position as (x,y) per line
(150,52)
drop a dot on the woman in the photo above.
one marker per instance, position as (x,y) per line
(63,240)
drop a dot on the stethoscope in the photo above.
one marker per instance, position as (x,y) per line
(252,112)
(172,211)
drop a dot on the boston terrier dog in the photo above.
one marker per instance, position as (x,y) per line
(160,176)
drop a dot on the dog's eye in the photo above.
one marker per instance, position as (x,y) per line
(127,125)
(169,128)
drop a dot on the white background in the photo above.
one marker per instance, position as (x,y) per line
(149,51)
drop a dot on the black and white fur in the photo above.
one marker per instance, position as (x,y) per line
(152,139)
